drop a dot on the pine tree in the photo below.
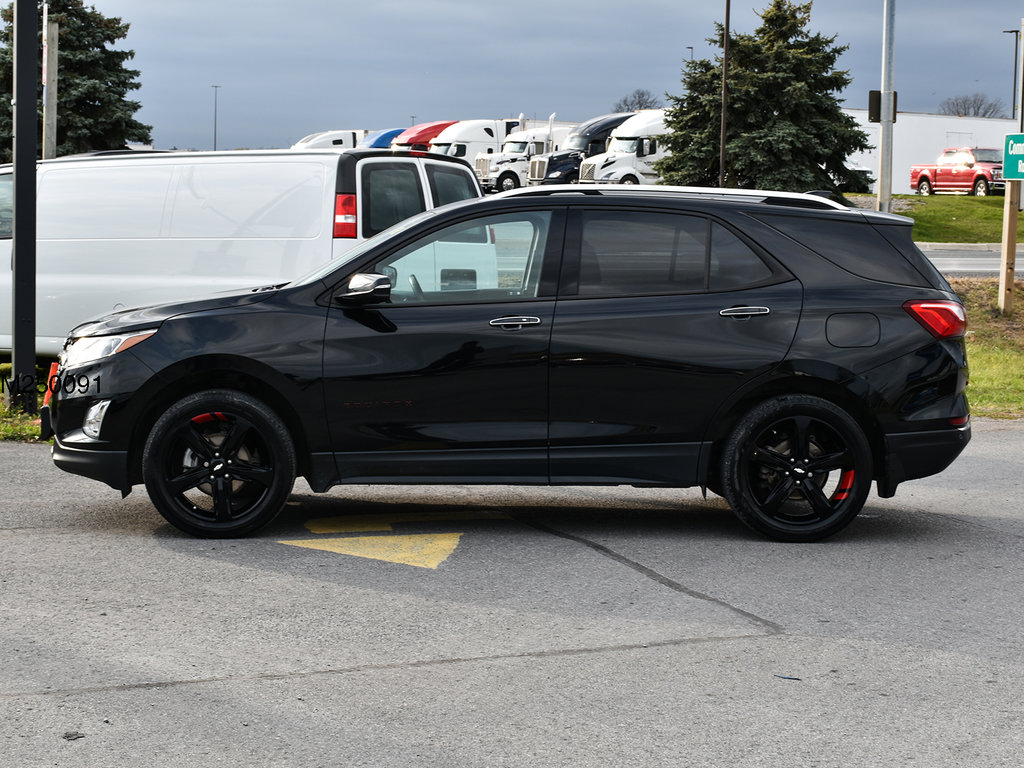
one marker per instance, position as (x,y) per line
(93,111)
(784,126)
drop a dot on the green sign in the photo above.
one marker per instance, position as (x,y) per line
(1013,156)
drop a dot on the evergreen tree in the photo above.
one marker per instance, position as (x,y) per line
(93,111)
(784,126)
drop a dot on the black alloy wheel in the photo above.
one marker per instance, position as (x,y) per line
(796,468)
(219,464)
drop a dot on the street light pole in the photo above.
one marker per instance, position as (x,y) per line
(725,95)
(1016,47)
(215,89)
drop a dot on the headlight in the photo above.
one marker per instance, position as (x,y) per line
(89,348)
(554,174)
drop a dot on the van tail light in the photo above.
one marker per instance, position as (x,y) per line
(345,216)
(943,319)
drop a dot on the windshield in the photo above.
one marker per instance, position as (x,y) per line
(514,147)
(988,155)
(623,144)
(324,270)
(576,142)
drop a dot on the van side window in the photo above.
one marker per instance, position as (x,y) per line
(449,185)
(248,199)
(134,202)
(6,206)
(391,193)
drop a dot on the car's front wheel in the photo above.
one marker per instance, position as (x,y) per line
(981,187)
(219,464)
(796,468)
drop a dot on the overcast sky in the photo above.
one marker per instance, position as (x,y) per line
(287,69)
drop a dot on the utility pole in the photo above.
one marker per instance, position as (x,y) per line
(1012,172)
(888,110)
(50,31)
(725,97)
(215,89)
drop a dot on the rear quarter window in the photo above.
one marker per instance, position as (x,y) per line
(853,245)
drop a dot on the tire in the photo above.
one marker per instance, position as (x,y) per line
(507,181)
(219,464)
(796,468)
(629,180)
(980,187)
(924,187)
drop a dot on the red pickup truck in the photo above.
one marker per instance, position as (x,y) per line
(972,170)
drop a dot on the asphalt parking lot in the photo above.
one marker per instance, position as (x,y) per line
(459,626)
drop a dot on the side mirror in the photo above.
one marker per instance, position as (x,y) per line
(366,287)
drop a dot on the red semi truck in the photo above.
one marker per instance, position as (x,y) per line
(973,170)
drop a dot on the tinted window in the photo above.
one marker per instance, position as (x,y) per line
(637,252)
(853,245)
(487,259)
(732,264)
(449,185)
(391,193)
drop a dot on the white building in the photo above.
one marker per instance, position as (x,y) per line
(919,138)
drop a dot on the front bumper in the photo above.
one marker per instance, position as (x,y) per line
(110,467)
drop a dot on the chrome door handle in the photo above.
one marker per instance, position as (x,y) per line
(744,311)
(513,323)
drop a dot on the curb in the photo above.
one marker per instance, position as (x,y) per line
(996,247)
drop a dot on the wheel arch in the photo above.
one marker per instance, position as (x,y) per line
(851,395)
(215,372)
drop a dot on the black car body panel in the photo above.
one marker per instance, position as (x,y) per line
(549,359)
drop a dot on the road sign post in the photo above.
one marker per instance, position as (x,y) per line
(1013,173)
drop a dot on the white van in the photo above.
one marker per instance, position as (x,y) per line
(633,148)
(120,231)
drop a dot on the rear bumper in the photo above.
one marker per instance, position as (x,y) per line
(911,455)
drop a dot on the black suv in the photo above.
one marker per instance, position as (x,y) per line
(778,349)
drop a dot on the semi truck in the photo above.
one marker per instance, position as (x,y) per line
(469,138)
(586,140)
(509,168)
(633,148)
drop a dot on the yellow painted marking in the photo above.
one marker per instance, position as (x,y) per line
(427,550)
(367,523)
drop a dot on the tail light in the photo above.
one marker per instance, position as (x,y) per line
(345,216)
(942,319)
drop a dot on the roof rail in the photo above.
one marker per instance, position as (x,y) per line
(767,197)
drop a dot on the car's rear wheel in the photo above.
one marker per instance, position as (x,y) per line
(796,468)
(924,187)
(219,464)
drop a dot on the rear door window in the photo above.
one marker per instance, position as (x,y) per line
(450,184)
(390,193)
(650,252)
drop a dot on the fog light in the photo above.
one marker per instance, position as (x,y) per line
(94,419)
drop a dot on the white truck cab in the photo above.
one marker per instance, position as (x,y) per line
(510,168)
(469,138)
(633,148)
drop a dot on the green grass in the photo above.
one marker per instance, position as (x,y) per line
(956,218)
(995,348)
